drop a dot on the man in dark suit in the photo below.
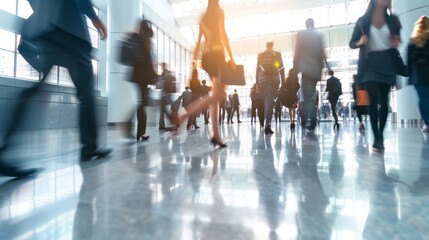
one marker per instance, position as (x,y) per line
(269,73)
(235,106)
(204,91)
(333,87)
(59,30)
(309,60)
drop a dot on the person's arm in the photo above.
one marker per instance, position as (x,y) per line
(197,46)
(224,37)
(257,70)
(85,7)
(359,38)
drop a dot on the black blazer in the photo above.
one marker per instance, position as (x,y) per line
(143,72)
(362,27)
(418,63)
(66,15)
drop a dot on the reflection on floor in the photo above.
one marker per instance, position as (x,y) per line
(290,185)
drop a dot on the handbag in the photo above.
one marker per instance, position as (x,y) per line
(129,50)
(362,98)
(401,68)
(232,75)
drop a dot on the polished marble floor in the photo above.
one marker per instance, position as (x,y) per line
(290,185)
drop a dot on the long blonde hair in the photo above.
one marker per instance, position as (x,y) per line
(421,31)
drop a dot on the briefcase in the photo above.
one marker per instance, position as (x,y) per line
(232,76)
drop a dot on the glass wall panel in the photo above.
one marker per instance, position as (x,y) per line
(7,40)
(8,6)
(7,59)
(167,50)
(24,70)
(24,9)
(338,14)
(64,77)
(172,55)
(160,47)
(53,75)
(95,72)
(155,45)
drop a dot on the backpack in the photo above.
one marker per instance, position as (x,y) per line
(129,50)
(170,84)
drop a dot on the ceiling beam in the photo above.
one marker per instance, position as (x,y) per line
(259,8)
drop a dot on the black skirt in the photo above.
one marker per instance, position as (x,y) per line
(212,61)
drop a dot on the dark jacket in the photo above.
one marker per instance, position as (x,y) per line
(235,100)
(333,86)
(362,27)
(143,72)
(309,57)
(65,15)
(418,63)
(268,62)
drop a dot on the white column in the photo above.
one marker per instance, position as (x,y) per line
(406,98)
(122,17)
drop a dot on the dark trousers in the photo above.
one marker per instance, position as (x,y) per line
(222,111)
(333,101)
(268,89)
(278,114)
(378,107)
(423,92)
(206,115)
(164,111)
(308,88)
(235,110)
(63,49)
(141,112)
(258,105)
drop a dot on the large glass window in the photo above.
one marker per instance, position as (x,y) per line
(24,70)
(24,9)
(160,46)
(64,77)
(167,50)
(7,40)
(7,59)
(8,6)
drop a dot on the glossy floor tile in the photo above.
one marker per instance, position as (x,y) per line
(289,185)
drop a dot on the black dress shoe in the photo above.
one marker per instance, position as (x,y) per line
(268,130)
(143,138)
(99,153)
(17,172)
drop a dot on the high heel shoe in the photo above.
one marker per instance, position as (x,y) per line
(216,142)
(142,137)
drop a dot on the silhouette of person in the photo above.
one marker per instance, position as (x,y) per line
(142,74)
(60,32)
(269,71)
(257,105)
(377,35)
(235,106)
(418,66)
(309,59)
(333,87)
(212,26)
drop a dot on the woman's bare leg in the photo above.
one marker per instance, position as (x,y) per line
(211,101)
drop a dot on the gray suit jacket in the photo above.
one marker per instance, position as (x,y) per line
(309,53)
(66,15)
